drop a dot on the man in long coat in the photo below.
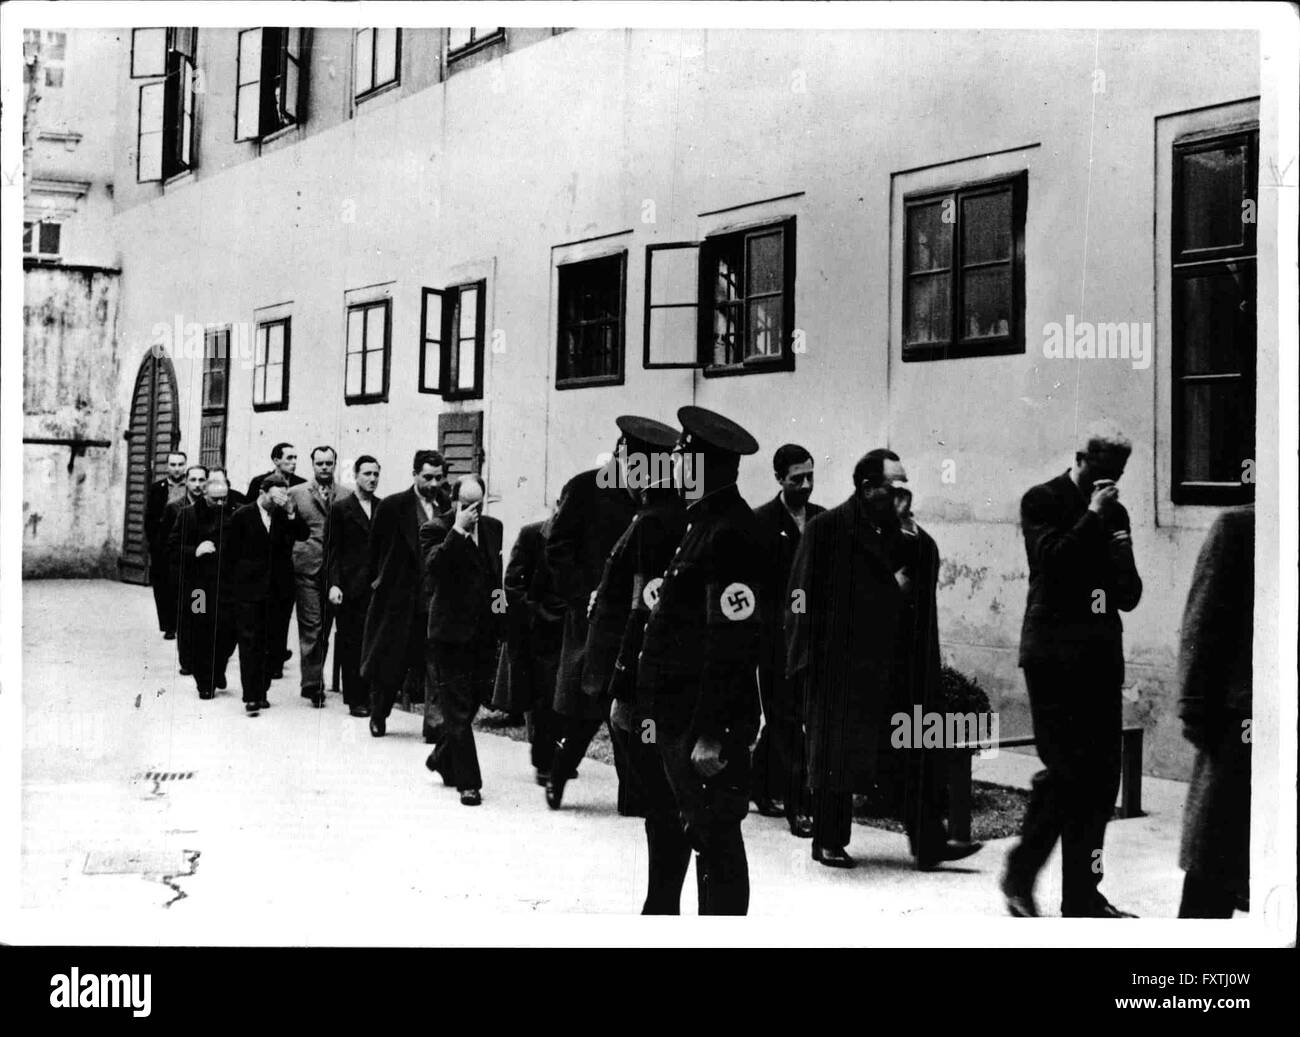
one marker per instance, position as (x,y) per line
(1215,671)
(862,640)
(392,645)
(161,573)
(348,576)
(594,510)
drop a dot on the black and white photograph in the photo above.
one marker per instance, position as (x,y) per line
(830,466)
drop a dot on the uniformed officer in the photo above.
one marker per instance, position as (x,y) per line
(700,654)
(628,589)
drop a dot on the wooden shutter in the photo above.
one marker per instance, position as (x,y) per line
(460,441)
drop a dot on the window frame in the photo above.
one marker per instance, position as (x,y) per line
(1223,258)
(283,402)
(710,247)
(37,252)
(375,88)
(364,397)
(497,35)
(957,347)
(205,407)
(620,348)
(278,101)
(649,306)
(177,107)
(449,306)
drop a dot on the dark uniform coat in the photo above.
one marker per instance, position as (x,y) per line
(1215,670)
(259,562)
(398,600)
(534,626)
(842,630)
(584,529)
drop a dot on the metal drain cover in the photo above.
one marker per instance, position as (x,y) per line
(136,862)
(164,776)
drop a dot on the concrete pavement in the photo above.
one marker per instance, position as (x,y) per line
(297,827)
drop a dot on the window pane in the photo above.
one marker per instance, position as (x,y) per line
(375,327)
(289,102)
(250,56)
(148,53)
(50,233)
(672,336)
(763,263)
(1218,430)
(674,275)
(763,327)
(726,283)
(385,56)
(432,355)
(275,344)
(352,378)
(259,346)
(57,45)
(986,227)
(375,370)
(274,392)
(365,60)
(482,32)
(929,239)
(247,101)
(1217,311)
(53,76)
(356,327)
(457,38)
(465,373)
(259,385)
(927,309)
(1213,186)
(986,302)
(725,349)
(468,312)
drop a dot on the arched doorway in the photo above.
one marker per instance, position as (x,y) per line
(153,432)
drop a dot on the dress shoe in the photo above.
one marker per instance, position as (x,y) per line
(832,856)
(555,792)
(471,798)
(250,708)
(377,726)
(275,675)
(169,635)
(263,704)
(769,807)
(802,827)
(207,694)
(186,673)
(952,850)
(287,655)
(1100,907)
(221,683)
(318,700)
(359,711)
(1020,902)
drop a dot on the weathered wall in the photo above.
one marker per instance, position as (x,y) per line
(497,167)
(72,519)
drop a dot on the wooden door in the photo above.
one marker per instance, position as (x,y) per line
(153,432)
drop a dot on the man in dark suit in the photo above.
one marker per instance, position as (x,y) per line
(313,500)
(1081,577)
(862,641)
(196,477)
(534,631)
(699,656)
(348,576)
(161,493)
(462,563)
(261,539)
(595,508)
(779,771)
(199,548)
(1215,674)
(392,646)
(284,460)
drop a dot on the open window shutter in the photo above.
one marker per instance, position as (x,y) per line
(450,315)
(148,53)
(708,275)
(480,329)
(432,332)
(248,85)
(149,137)
(672,305)
(290,79)
(460,441)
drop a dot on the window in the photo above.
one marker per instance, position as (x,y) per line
(590,350)
(165,134)
(41,238)
(461,40)
(365,378)
(725,304)
(268,86)
(963,271)
(53,54)
(271,365)
(451,341)
(1213,315)
(216,387)
(377,61)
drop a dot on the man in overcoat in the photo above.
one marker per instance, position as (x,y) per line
(348,576)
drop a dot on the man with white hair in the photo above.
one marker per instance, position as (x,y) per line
(1081,577)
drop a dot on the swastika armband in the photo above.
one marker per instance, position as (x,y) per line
(735,602)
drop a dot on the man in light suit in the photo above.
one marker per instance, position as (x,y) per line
(313,500)
(462,566)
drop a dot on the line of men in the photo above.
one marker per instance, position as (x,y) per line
(655,600)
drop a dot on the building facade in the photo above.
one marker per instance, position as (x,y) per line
(962,245)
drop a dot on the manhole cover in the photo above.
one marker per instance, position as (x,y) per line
(136,862)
